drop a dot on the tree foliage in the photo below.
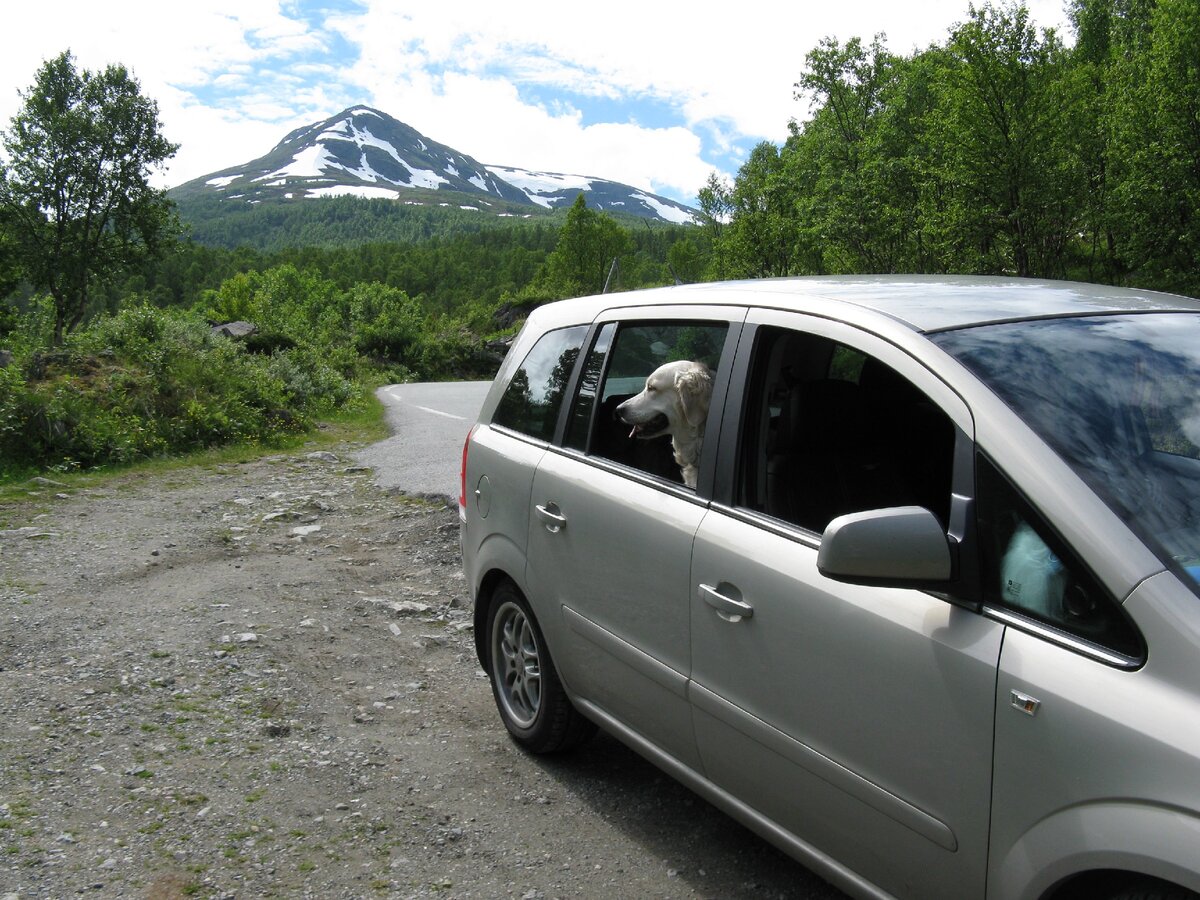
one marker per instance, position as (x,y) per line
(1001,151)
(588,246)
(75,189)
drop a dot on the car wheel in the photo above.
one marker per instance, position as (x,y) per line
(532,703)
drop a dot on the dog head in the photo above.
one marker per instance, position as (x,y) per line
(674,400)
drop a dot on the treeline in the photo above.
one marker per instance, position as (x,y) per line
(1002,151)
(276,225)
(446,275)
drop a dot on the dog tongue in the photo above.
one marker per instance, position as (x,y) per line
(633,431)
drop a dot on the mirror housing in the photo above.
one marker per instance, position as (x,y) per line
(904,546)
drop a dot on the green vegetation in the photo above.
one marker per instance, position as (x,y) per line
(1000,151)
(75,194)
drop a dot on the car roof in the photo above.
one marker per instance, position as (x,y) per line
(937,302)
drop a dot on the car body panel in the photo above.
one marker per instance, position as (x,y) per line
(1103,773)
(612,583)
(501,475)
(875,709)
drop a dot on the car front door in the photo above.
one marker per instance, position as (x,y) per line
(860,719)
(612,527)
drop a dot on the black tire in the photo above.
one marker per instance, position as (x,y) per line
(1153,889)
(532,703)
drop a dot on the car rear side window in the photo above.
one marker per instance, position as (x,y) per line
(616,370)
(534,395)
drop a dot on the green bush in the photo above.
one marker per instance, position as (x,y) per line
(148,381)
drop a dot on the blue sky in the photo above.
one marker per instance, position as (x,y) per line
(657,95)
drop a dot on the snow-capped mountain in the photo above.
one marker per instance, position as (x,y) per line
(364,152)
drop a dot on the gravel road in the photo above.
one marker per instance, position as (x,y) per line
(258,680)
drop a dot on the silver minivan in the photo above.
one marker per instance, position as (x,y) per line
(929,618)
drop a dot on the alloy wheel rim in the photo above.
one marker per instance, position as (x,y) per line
(516,665)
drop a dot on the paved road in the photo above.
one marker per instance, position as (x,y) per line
(429,423)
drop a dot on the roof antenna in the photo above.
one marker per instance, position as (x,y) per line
(612,270)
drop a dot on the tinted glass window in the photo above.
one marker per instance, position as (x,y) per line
(532,400)
(1118,397)
(830,430)
(1027,568)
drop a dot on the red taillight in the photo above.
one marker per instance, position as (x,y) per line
(462,482)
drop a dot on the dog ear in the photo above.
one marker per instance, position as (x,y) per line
(694,385)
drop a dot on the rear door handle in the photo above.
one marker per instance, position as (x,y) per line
(552,517)
(728,608)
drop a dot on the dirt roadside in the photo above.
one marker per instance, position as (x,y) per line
(258,680)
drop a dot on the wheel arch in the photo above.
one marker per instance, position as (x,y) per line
(483,599)
(1071,849)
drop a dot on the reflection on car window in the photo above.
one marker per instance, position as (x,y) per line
(616,369)
(1118,397)
(832,430)
(534,395)
(1027,568)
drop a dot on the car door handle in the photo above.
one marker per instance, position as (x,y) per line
(552,517)
(728,608)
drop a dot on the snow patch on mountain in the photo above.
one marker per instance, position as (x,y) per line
(543,188)
(307,163)
(666,211)
(367,191)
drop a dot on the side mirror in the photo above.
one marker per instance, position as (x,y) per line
(904,546)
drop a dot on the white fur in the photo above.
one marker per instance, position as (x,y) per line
(679,392)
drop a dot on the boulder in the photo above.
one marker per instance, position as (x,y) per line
(236,329)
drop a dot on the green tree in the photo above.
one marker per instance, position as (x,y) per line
(856,158)
(761,237)
(79,155)
(1154,150)
(1006,139)
(587,246)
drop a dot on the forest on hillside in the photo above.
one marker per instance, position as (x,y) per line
(1006,149)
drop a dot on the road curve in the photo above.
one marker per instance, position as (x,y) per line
(429,422)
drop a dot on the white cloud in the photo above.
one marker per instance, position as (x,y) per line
(231,78)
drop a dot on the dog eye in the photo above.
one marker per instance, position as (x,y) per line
(650,389)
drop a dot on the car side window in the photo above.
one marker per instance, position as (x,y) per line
(615,413)
(1029,569)
(534,395)
(831,430)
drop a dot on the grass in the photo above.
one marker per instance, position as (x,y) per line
(364,425)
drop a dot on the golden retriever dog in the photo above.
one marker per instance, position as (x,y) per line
(675,402)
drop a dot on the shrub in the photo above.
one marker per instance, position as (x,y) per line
(148,381)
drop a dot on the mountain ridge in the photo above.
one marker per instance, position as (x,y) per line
(365,152)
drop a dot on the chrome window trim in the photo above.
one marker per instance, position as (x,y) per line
(778,527)
(629,472)
(519,435)
(1062,639)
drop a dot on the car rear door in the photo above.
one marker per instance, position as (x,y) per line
(612,526)
(860,719)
